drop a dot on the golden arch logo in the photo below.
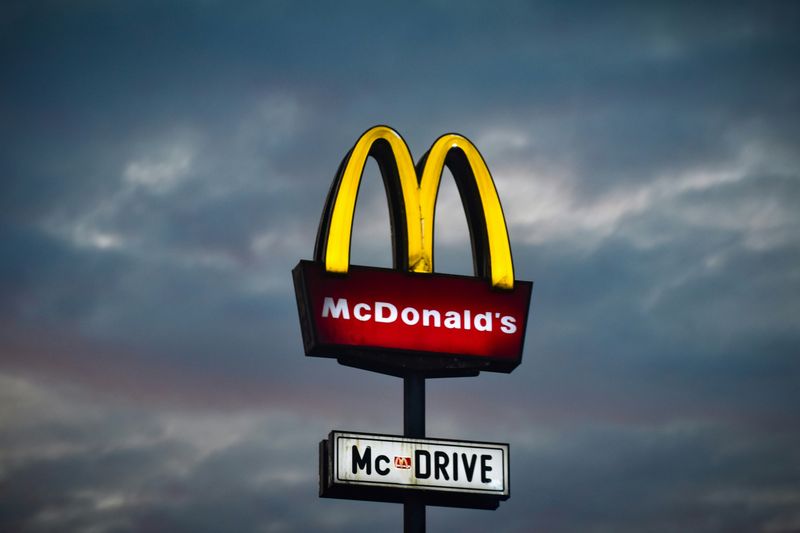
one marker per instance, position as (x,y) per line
(397,321)
(412,193)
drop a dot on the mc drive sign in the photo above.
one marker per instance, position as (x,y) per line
(397,464)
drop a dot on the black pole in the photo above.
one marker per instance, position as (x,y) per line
(414,407)
(414,426)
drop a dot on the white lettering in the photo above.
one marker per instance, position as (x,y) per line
(357,312)
(410,316)
(428,314)
(509,324)
(336,310)
(386,313)
(483,322)
(452,320)
(380,307)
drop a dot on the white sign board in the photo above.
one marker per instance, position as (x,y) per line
(422,464)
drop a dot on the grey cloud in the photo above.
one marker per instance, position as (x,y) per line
(120,468)
(597,476)
(45,279)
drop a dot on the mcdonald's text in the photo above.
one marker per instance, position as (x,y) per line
(387,313)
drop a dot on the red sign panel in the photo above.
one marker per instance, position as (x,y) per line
(409,317)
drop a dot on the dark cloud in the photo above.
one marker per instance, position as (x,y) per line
(164,166)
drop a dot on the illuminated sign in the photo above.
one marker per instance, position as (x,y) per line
(401,313)
(388,468)
(408,318)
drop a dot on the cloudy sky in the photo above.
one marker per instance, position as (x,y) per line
(163,167)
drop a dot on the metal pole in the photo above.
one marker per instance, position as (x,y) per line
(414,426)
(414,406)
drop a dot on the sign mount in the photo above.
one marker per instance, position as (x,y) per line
(413,323)
(410,319)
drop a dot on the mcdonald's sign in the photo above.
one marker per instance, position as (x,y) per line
(410,319)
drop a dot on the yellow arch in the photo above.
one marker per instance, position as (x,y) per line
(419,199)
(502,265)
(337,251)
